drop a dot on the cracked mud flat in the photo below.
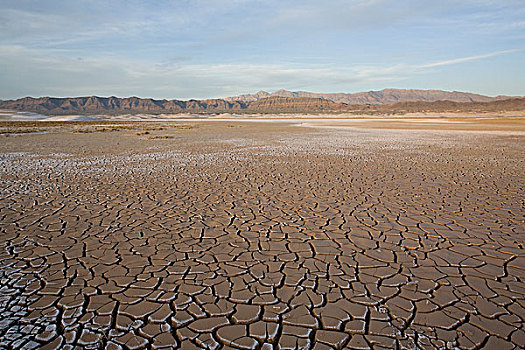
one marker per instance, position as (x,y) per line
(251,236)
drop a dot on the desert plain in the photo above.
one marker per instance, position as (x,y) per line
(232,234)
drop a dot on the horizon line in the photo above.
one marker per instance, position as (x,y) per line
(253,93)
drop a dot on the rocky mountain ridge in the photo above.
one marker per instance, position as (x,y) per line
(386,96)
(131,105)
(92,105)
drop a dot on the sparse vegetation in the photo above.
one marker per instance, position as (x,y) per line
(11,130)
(158,137)
(138,128)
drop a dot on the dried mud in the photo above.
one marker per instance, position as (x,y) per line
(262,236)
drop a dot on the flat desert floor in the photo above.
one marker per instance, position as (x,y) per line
(241,235)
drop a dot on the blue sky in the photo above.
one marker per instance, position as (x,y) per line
(217,48)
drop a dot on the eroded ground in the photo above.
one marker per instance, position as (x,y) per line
(259,236)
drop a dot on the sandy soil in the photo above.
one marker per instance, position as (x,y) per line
(242,235)
(514,125)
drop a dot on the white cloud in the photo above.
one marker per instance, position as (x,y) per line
(38,72)
(465,59)
(49,72)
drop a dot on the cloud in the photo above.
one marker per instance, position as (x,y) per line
(49,72)
(71,23)
(344,15)
(465,59)
(38,72)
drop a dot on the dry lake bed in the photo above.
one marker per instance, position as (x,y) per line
(290,234)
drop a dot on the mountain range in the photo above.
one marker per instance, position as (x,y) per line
(382,97)
(389,101)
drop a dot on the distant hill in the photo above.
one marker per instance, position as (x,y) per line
(499,107)
(386,96)
(114,105)
(94,105)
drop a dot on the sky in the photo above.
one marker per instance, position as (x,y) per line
(217,48)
